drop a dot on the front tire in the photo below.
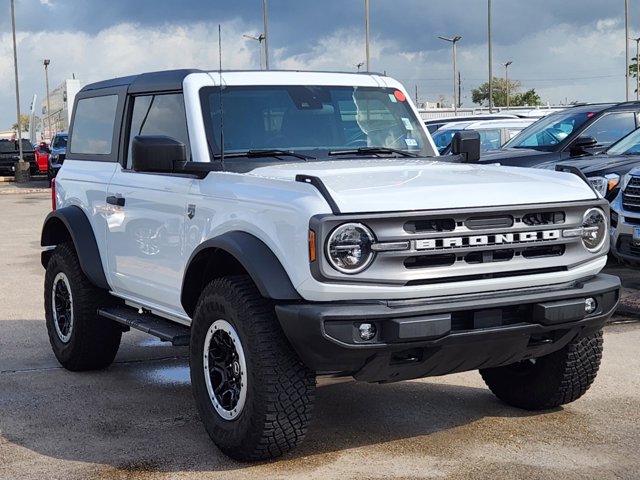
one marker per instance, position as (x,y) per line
(254,395)
(80,339)
(550,381)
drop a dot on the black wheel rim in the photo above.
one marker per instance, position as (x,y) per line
(225,369)
(62,307)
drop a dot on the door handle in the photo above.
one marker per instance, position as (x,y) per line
(113,200)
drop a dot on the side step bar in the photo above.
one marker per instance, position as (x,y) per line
(165,330)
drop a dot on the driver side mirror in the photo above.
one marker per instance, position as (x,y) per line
(580,144)
(466,143)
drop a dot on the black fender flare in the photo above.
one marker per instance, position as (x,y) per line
(71,222)
(252,254)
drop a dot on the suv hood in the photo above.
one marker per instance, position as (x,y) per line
(596,164)
(378,185)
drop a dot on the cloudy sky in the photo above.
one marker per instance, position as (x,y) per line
(567,51)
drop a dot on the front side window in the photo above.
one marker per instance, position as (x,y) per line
(93,125)
(159,115)
(318,120)
(611,127)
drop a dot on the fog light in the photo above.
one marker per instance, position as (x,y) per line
(367,331)
(590,305)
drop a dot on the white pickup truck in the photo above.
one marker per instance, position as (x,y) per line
(287,225)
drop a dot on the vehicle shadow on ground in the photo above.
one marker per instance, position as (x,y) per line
(139,415)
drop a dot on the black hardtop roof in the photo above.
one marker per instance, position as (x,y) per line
(612,106)
(171,79)
(146,82)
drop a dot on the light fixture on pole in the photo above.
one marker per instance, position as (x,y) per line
(359,66)
(453,41)
(46,81)
(260,39)
(637,68)
(366,34)
(265,35)
(506,79)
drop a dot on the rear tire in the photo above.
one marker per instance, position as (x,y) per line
(254,395)
(550,381)
(80,339)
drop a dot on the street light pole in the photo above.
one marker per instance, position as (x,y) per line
(21,168)
(637,68)
(46,81)
(506,79)
(626,47)
(490,56)
(453,41)
(266,35)
(366,34)
(259,38)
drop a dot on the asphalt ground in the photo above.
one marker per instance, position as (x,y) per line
(137,419)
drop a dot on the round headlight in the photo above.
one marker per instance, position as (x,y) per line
(594,229)
(349,248)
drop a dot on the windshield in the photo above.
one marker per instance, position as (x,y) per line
(313,119)
(549,131)
(60,141)
(629,145)
(442,138)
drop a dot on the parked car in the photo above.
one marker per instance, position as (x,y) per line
(606,169)
(569,133)
(493,133)
(10,154)
(42,152)
(435,124)
(625,220)
(58,153)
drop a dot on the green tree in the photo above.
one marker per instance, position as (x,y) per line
(480,95)
(24,122)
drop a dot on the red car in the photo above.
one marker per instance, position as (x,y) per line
(42,157)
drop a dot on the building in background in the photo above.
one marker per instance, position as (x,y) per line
(61,102)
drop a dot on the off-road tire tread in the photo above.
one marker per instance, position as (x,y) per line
(95,340)
(556,379)
(281,405)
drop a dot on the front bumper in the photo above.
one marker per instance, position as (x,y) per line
(427,337)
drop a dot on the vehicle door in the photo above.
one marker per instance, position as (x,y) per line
(145,229)
(610,128)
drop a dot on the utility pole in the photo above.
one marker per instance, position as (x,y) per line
(46,80)
(637,68)
(453,41)
(490,57)
(266,34)
(366,34)
(21,167)
(626,48)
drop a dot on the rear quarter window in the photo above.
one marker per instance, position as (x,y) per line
(93,125)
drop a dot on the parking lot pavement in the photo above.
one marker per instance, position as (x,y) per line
(38,184)
(137,419)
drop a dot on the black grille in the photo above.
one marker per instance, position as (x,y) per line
(424,261)
(543,218)
(430,225)
(490,256)
(482,223)
(543,251)
(631,195)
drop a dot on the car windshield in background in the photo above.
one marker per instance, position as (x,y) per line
(629,145)
(314,119)
(60,141)
(549,131)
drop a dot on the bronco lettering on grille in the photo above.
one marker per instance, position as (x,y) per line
(486,240)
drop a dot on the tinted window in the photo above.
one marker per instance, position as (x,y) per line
(93,125)
(489,139)
(550,130)
(59,141)
(159,115)
(611,127)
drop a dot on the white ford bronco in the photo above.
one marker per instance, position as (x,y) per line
(287,225)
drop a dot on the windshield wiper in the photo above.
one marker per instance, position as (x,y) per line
(372,151)
(267,153)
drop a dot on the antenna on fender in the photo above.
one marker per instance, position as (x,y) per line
(221,105)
